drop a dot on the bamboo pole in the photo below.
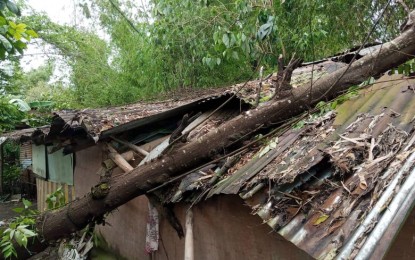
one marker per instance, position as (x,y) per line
(118,159)
(131,146)
(109,164)
(188,242)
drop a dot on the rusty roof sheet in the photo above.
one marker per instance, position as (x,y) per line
(314,185)
(107,121)
(317,191)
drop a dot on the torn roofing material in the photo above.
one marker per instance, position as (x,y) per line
(95,124)
(315,185)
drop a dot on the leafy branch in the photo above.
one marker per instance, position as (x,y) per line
(20,230)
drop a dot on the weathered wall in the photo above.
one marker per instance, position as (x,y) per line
(403,247)
(25,155)
(45,188)
(223,226)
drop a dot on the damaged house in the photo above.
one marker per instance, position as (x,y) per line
(335,183)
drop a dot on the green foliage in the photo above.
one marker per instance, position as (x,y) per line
(16,112)
(406,69)
(312,29)
(11,169)
(11,175)
(184,30)
(13,36)
(325,107)
(38,91)
(20,230)
(171,44)
(10,115)
(56,199)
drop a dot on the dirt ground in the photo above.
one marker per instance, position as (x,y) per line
(6,208)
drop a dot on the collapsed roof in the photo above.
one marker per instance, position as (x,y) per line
(323,184)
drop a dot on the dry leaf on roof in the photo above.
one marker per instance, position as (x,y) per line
(321,219)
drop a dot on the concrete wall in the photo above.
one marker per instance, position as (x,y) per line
(223,226)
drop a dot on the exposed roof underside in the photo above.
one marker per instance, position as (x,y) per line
(99,121)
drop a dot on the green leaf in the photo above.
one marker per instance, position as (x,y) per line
(235,55)
(264,31)
(18,210)
(24,241)
(20,46)
(22,105)
(2,5)
(19,238)
(17,36)
(12,24)
(32,33)
(3,20)
(225,40)
(334,104)
(42,104)
(11,235)
(321,219)
(6,43)
(243,37)
(8,254)
(233,40)
(26,203)
(28,232)
(7,248)
(20,227)
(11,5)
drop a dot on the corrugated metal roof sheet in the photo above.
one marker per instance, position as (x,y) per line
(318,213)
(108,121)
(316,184)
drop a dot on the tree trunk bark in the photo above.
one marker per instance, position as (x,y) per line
(75,216)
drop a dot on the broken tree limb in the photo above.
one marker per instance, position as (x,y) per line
(62,222)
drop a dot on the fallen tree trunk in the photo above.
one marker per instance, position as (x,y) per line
(75,216)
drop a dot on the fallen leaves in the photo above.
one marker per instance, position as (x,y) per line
(323,217)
